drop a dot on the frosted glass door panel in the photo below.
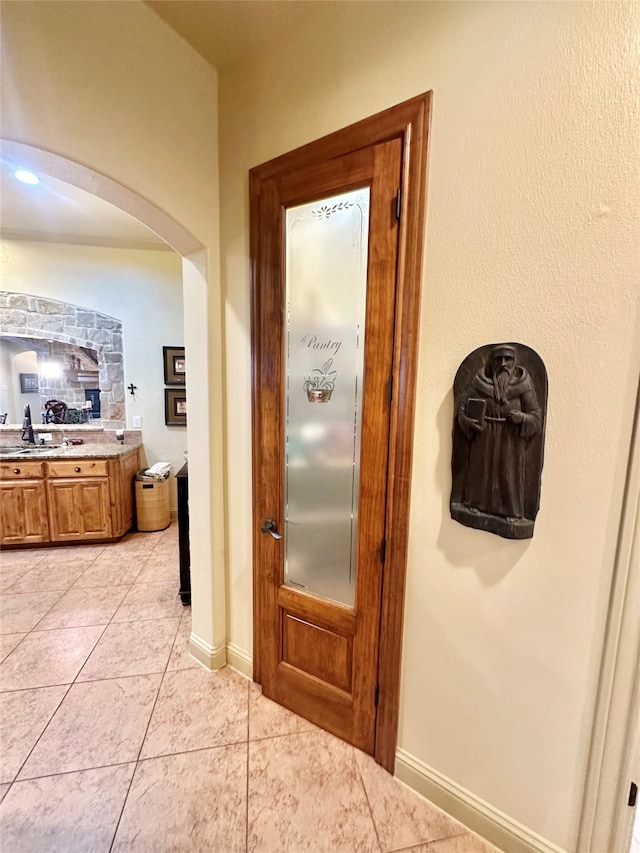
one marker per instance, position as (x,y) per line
(326,282)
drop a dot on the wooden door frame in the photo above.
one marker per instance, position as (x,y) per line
(408,121)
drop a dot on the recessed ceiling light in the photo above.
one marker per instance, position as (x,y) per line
(26,177)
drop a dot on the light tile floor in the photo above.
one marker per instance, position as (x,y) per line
(114,739)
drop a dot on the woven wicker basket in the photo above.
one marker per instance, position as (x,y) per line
(152,504)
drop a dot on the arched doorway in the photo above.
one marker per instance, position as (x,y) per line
(205,422)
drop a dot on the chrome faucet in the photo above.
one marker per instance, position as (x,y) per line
(27,427)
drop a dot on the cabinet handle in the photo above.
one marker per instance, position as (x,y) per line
(77,469)
(16,470)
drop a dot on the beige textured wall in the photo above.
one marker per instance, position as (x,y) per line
(532,236)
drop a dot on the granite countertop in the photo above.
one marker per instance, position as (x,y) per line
(74,451)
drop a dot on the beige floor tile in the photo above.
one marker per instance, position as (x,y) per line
(190,802)
(23,611)
(168,550)
(98,723)
(87,552)
(136,543)
(466,843)
(180,656)
(170,536)
(83,553)
(10,573)
(78,607)
(268,719)
(26,557)
(171,532)
(159,569)
(131,648)
(24,715)
(50,576)
(72,813)
(48,657)
(305,794)
(308,792)
(111,571)
(402,817)
(198,709)
(8,642)
(62,555)
(148,537)
(149,601)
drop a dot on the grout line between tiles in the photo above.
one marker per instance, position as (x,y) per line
(26,634)
(366,796)
(43,615)
(429,843)
(62,698)
(38,687)
(17,781)
(146,731)
(191,751)
(173,645)
(290,734)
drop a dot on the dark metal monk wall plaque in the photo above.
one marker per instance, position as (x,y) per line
(500,399)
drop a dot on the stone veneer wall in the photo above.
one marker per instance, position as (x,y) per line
(27,316)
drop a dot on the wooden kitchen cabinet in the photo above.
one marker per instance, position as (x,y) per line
(23,503)
(79,503)
(122,492)
(67,500)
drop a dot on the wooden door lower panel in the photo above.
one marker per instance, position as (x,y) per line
(320,703)
(317,651)
(314,673)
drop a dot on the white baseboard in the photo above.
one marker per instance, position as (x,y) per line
(209,656)
(216,657)
(480,817)
(240,660)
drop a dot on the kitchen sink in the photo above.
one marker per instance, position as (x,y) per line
(22,450)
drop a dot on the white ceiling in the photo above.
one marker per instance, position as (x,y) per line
(55,211)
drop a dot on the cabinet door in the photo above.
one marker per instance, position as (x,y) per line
(123,474)
(79,509)
(129,470)
(23,512)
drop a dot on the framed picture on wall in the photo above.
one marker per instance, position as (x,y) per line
(175,371)
(29,383)
(175,407)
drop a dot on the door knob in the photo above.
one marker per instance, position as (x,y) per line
(271,527)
